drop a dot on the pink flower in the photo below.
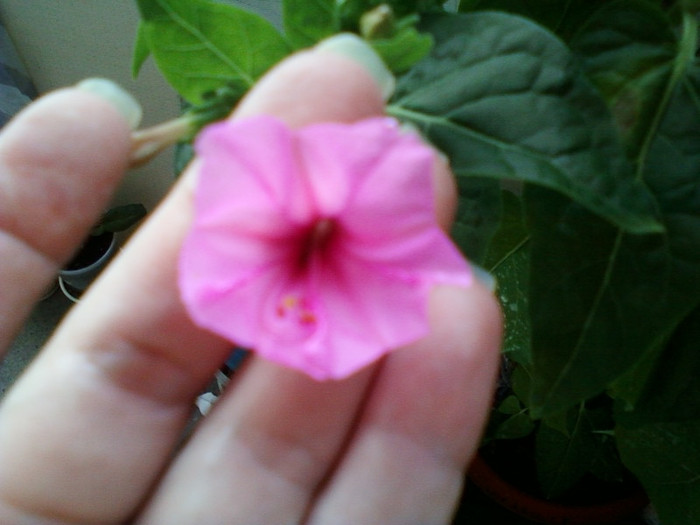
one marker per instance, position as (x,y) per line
(315,247)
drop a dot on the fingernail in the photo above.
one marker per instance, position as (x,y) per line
(487,279)
(122,101)
(355,48)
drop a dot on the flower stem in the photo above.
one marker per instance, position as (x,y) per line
(147,143)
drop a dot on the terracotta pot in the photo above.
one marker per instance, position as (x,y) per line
(542,511)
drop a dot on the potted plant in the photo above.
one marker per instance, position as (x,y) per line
(98,249)
(573,128)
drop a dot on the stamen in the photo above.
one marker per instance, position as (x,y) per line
(296,308)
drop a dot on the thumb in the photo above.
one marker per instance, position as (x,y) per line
(341,80)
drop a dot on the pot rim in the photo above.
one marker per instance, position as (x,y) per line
(94,264)
(543,511)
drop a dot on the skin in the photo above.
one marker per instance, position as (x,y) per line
(88,434)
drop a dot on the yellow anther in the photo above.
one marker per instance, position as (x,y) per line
(290,301)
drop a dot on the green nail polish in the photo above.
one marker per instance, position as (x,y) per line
(122,101)
(484,277)
(353,47)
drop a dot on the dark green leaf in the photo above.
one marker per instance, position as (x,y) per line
(671,391)
(478,213)
(508,259)
(184,153)
(666,459)
(510,420)
(474,97)
(628,48)
(308,21)
(200,45)
(549,13)
(565,18)
(563,458)
(628,387)
(515,427)
(119,218)
(602,300)
(510,406)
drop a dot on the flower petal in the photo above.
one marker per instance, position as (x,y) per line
(234,312)
(315,247)
(250,175)
(337,156)
(371,314)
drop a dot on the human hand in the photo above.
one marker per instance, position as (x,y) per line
(88,434)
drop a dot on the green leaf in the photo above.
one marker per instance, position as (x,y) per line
(629,386)
(200,46)
(508,260)
(308,21)
(602,299)
(563,18)
(666,459)
(352,10)
(404,49)
(515,427)
(671,391)
(628,48)
(119,218)
(509,421)
(478,213)
(549,13)
(518,424)
(563,458)
(473,98)
(510,406)
(141,50)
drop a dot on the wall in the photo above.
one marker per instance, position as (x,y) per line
(64,41)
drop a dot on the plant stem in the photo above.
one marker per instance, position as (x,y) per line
(684,57)
(147,143)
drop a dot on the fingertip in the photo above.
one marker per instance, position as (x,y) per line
(116,96)
(352,46)
(468,314)
(315,86)
(61,158)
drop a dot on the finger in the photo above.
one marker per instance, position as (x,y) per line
(405,464)
(280,441)
(281,429)
(60,160)
(88,429)
(265,452)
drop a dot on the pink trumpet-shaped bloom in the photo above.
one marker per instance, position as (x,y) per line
(315,247)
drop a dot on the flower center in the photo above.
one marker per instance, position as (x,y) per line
(296,310)
(295,314)
(315,241)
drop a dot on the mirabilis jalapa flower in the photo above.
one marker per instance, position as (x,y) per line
(315,247)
